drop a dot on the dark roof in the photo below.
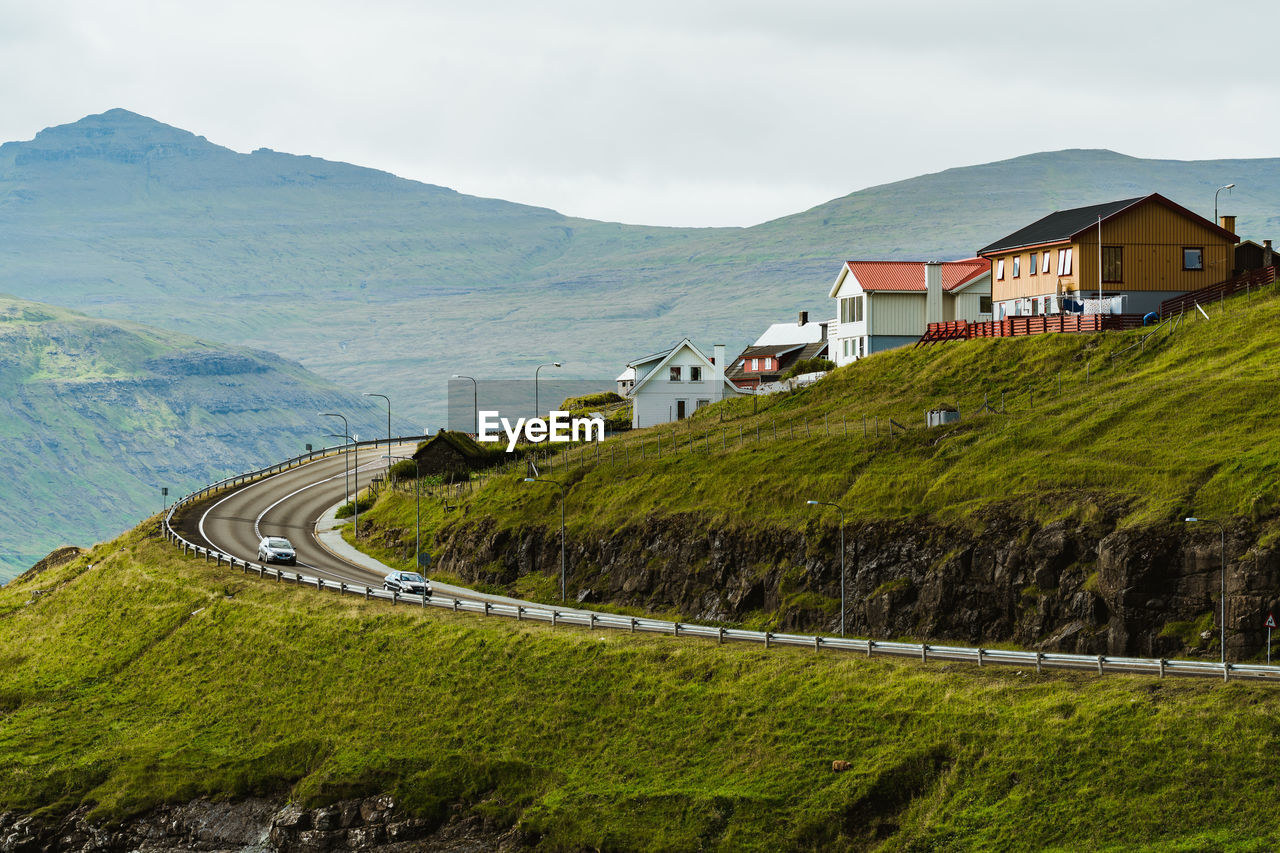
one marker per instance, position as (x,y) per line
(777,349)
(467,446)
(1060,225)
(787,356)
(1067,224)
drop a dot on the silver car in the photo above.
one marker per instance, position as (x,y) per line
(277,549)
(407,583)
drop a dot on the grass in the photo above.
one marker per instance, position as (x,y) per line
(142,677)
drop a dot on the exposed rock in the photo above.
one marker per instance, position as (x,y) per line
(1080,586)
(258,826)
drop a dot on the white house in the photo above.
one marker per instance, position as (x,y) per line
(673,384)
(885,304)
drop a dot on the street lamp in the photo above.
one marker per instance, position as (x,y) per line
(561,488)
(1222,556)
(1215,201)
(355,470)
(388,399)
(475,401)
(841,511)
(537,411)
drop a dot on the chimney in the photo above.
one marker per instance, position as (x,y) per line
(1228,223)
(717,375)
(804,318)
(1267,257)
(826,330)
(933,292)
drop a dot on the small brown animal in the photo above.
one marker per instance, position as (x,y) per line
(840,765)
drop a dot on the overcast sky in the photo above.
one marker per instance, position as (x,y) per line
(667,112)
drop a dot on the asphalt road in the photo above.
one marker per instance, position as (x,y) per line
(286,504)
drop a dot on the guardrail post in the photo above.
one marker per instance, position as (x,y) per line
(319,584)
(455,605)
(1099,664)
(591,624)
(519,613)
(486,608)
(979,656)
(1162,667)
(633,624)
(719,633)
(424,601)
(924,653)
(1226,671)
(817,643)
(555,614)
(870,645)
(394,595)
(367,592)
(677,624)
(1039,657)
(262,571)
(767,638)
(342,588)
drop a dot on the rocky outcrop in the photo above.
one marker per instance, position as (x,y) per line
(376,824)
(1085,586)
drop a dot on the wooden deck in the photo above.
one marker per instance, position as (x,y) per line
(1017,327)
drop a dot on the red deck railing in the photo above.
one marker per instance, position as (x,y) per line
(1040,324)
(1221,290)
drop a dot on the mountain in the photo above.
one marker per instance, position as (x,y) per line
(389,285)
(98,415)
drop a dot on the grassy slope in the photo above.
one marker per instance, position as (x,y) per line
(140,676)
(1187,427)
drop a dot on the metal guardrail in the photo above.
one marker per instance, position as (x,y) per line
(924,652)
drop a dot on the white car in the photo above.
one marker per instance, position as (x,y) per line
(407,583)
(277,549)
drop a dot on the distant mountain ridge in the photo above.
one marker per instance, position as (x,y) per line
(391,285)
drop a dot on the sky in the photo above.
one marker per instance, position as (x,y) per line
(667,112)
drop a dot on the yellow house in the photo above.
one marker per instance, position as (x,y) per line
(1151,250)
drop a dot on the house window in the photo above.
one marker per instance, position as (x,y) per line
(1017,265)
(675,374)
(695,373)
(1064,262)
(1192,258)
(851,309)
(679,410)
(755,364)
(1031,267)
(1045,268)
(984,304)
(700,404)
(862,347)
(1000,270)
(1113,264)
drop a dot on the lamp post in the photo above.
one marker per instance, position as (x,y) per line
(355,471)
(840,509)
(475,402)
(562,562)
(1215,201)
(537,411)
(1222,556)
(388,399)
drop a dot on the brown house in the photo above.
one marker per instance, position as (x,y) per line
(454,455)
(1151,250)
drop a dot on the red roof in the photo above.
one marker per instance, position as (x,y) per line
(908,276)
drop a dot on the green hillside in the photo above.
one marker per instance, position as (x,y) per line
(137,677)
(365,277)
(1059,504)
(96,416)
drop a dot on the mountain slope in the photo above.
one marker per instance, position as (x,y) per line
(366,278)
(97,416)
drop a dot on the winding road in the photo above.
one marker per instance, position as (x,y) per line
(289,504)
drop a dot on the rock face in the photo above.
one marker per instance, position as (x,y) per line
(375,824)
(1076,586)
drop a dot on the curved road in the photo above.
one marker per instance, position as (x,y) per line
(285,504)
